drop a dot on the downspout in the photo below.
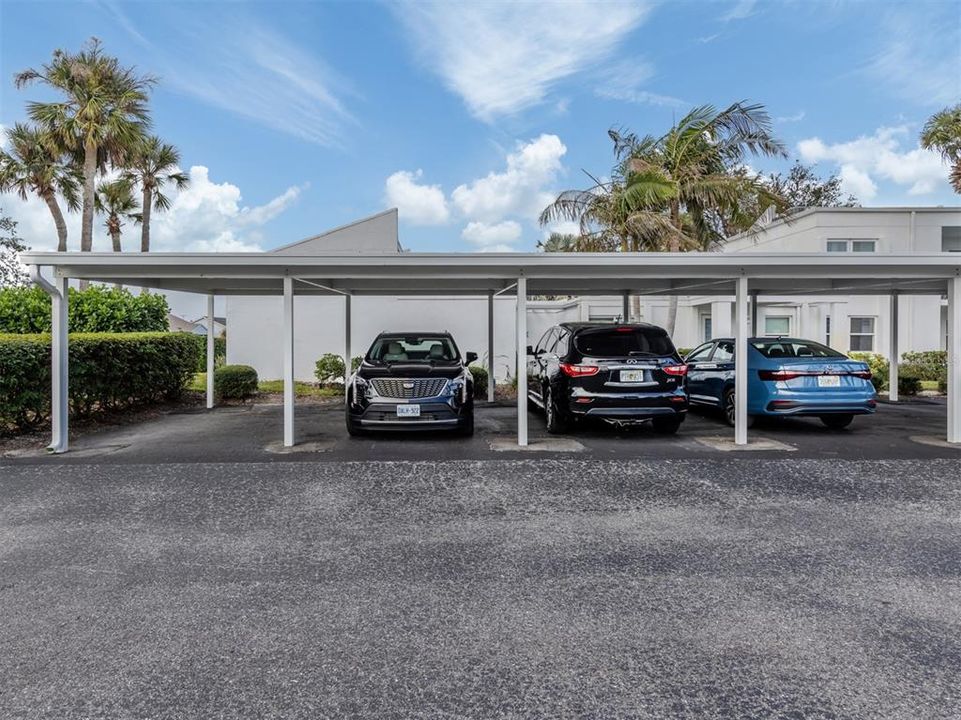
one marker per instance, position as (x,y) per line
(59,407)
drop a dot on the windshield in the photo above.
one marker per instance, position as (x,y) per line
(624,342)
(794,349)
(417,348)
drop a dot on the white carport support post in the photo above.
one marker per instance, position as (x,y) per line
(954,360)
(893,356)
(521,361)
(490,347)
(346,340)
(626,307)
(210,351)
(59,367)
(288,361)
(740,362)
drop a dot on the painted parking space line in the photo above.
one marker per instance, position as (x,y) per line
(561,445)
(726,444)
(934,441)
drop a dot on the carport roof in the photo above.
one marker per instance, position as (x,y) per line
(442,274)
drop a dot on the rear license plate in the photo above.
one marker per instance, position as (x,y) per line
(632,376)
(829,381)
(408,411)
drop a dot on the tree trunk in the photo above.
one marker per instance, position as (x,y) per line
(89,179)
(671,323)
(635,308)
(115,237)
(674,245)
(58,220)
(145,224)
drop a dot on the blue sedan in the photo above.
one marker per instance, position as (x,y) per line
(786,376)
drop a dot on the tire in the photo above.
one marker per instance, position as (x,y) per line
(727,409)
(465,428)
(666,426)
(837,422)
(353,428)
(556,423)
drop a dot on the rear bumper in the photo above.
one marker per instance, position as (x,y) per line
(792,406)
(627,406)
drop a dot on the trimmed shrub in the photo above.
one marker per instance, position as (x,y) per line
(927,365)
(480,380)
(98,309)
(355,362)
(879,366)
(330,368)
(908,383)
(108,371)
(235,382)
(220,352)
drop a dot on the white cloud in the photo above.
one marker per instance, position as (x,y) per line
(498,235)
(623,81)
(739,11)
(206,217)
(796,117)
(869,158)
(416,203)
(917,54)
(520,189)
(502,58)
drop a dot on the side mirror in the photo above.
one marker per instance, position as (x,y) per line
(471,357)
(530,350)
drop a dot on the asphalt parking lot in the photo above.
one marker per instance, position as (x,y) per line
(179,569)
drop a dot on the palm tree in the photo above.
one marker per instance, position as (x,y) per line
(103,115)
(942,132)
(115,200)
(685,190)
(153,164)
(34,165)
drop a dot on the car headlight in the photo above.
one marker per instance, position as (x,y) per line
(459,385)
(360,389)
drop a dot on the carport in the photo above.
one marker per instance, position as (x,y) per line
(741,276)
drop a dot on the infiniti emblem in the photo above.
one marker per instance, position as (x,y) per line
(631,361)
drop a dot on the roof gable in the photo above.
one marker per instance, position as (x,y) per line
(375,234)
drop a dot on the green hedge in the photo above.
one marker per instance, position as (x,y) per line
(879,366)
(480,380)
(330,368)
(235,382)
(927,365)
(220,352)
(108,371)
(98,309)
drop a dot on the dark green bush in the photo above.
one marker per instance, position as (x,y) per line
(355,362)
(927,365)
(98,309)
(330,368)
(108,371)
(480,380)
(879,366)
(235,382)
(908,383)
(220,352)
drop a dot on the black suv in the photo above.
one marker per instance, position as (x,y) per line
(412,381)
(623,374)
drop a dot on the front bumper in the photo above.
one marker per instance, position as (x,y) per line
(435,413)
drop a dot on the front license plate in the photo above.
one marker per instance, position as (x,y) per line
(408,411)
(632,376)
(829,381)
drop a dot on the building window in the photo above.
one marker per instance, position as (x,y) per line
(827,330)
(707,323)
(951,238)
(777,325)
(843,245)
(862,334)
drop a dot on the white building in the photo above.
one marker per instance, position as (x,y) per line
(846,322)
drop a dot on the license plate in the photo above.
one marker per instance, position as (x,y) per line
(408,411)
(632,376)
(829,381)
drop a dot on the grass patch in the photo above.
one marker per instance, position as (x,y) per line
(929,384)
(301,389)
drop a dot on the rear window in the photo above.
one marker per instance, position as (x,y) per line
(623,342)
(794,349)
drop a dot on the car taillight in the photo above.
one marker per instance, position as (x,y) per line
(675,370)
(579,370)
(863,374)
(778,374)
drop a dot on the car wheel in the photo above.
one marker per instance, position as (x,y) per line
(555,421)
(353,428)
(666,426)
(729,409)
(465,428)
(837,422)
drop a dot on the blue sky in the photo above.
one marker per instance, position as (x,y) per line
(295,117)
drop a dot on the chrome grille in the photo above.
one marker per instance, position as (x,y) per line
(408,388)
